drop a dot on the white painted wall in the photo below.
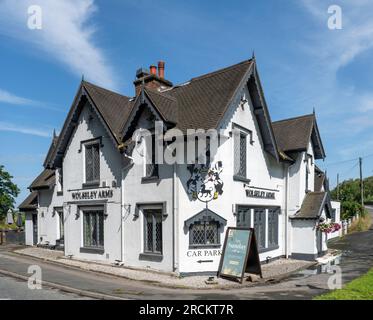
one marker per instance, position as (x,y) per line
(304,236)
(29,229)
(263,171)
(89,126)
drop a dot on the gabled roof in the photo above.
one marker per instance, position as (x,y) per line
(111,108)
(51,150)
(30,203)
(202,102)
(295,134)
(45,180)
(313,205)
(114,107)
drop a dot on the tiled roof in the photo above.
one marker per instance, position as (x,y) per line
(114,107)
(295,133)
(312,205)
(165,104)
(45,180)
(30,203)
(203,101)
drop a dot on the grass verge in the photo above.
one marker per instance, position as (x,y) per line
(361,224)
(358,289)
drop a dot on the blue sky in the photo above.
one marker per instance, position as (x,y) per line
(302,63)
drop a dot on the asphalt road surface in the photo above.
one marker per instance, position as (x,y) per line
(12,289)
(357,259)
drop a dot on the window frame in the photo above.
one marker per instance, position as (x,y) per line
(273,226)
(95,179)
(193,245)
(99,210)
(251,223)
(245,134)
(60,223)
(154,219)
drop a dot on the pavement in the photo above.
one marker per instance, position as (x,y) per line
(356,259)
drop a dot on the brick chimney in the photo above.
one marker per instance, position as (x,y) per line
(151,79)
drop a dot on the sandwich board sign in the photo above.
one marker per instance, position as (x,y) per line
(240,254)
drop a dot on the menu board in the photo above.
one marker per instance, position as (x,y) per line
(239,244)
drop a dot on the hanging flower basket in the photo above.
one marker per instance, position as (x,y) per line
(328,227)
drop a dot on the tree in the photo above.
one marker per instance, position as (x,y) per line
(349,195)
(8,192)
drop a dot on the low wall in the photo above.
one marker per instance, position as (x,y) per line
(12,237)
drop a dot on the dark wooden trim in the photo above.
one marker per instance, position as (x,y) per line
(91,141)
(241,179)
(93,250)
(151,257)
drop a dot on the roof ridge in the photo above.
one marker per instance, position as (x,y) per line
(165,95)
(102,88)
(294,118)
(206,75)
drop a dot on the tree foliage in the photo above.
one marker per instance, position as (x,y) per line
(350,197)
(8,192)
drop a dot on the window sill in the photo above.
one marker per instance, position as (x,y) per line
(97,250)
(93,184)
(151,257)
(204,246)
(149,179)
(242,179)
(268,249)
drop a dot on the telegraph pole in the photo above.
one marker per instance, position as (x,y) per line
(361,182)
(337,186)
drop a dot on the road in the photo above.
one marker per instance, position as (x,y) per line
(12,289)
(357,259)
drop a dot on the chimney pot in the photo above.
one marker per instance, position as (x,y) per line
(161,65)
(153,70)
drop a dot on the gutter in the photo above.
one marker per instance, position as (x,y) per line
(122,205)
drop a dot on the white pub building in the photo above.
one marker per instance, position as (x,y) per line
(100,198)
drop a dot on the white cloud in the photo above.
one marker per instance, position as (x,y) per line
(67,35)
(6,126)
(10,98)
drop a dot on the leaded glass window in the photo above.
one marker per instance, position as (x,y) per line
(244,217)
(260,227)
(273,227)
(93,225)
(153,231)
(240,153)
(151,168)
(204,233)
(92,162)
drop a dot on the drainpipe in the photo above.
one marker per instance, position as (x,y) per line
(175,219)
(122,205)
(288,167)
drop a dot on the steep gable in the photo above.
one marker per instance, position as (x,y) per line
(295,134)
